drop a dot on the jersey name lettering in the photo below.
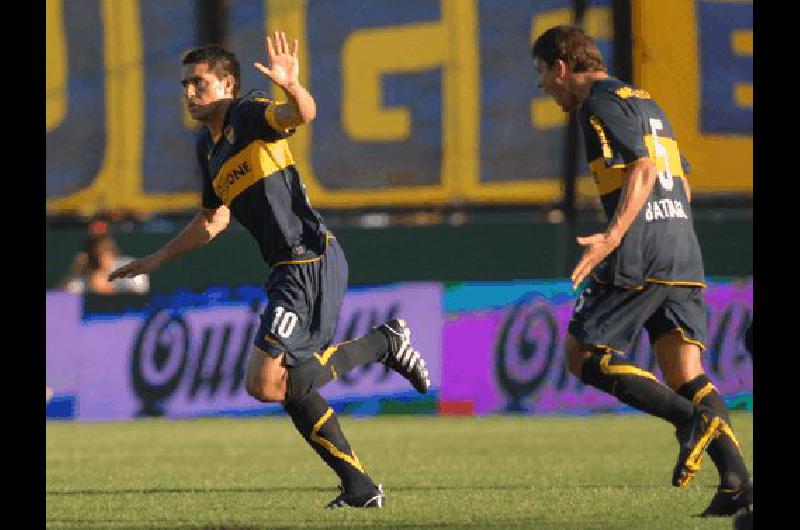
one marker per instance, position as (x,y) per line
(664,209)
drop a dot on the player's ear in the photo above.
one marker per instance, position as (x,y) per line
(561,69)
(228,83)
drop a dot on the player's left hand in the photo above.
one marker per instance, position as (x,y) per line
(597,247)
(284,67)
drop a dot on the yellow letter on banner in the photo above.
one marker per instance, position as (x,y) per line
(364,59)
(118,184)
(665,53)
(56,64)
(450,43)
(742,44)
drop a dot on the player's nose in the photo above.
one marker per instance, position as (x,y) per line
(189,91)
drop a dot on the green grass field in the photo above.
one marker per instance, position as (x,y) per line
(502,472)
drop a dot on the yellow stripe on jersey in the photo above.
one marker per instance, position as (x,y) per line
(258,160)
(272,121)
(629,92)
(608,179)
(269,113)
(601,134)
(673,154)
(680,283)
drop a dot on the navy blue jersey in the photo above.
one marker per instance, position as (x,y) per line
(621,124)
(251,171)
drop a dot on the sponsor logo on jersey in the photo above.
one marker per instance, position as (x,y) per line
(223,184)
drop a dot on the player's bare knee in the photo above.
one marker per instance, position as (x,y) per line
(575,355)
(264,392)
(678,360)
(265,379)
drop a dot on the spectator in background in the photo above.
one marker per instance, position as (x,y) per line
(92,265)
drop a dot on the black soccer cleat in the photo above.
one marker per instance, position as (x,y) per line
(693,438)
(373,499)
(743,520)
(402,357)
(728,502)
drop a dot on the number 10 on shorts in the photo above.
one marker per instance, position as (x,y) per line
(283,323)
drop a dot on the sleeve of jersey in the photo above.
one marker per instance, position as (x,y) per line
(266,123)
(210,199)
(618,130)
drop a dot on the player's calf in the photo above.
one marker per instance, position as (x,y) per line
(638,388)
(318,424)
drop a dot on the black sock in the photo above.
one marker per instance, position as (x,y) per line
(334,360)
(318,424)
(635,387)
(724,449)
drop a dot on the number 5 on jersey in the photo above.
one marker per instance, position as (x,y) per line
(662,152)
(283,322)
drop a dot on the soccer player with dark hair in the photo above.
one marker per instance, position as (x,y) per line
(248,170)
(645,269)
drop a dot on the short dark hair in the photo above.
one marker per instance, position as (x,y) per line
(570,44)
(219,60)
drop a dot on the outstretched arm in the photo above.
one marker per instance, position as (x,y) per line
(205,226)
(284,71)
(639,181)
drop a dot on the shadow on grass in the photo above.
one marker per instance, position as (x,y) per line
(311,489)
(512,523)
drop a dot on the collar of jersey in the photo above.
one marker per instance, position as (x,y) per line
(210,141)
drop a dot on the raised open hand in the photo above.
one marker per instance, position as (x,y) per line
(284,68)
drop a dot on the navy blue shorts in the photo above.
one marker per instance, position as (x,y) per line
(303,306)
(611,317)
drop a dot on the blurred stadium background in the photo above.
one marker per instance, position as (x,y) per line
(453,184)
(456,189)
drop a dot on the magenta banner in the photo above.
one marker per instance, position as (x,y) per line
(504,348)
(491,348)
(185,355)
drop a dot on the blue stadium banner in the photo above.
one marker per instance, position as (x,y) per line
(695,57)
(419,102)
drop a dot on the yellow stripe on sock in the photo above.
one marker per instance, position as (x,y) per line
(727,431)
(696,456)
(326,355)
(702,393)
(329,351)
(724,427)
(352,460)
(623,369)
